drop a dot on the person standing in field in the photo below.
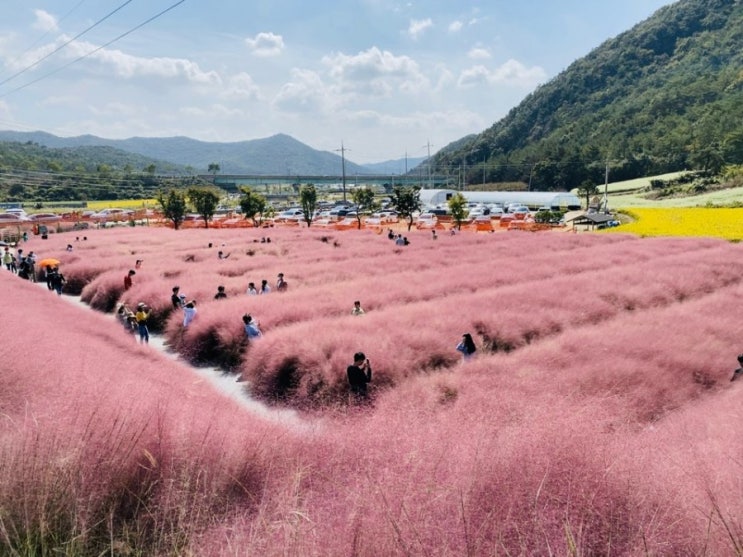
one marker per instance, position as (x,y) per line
(250,325)
(175,299)
(189,312)
(128,279)
(141,317)
(738,372)
(251,289)
(281,284)
(58,281)
(265,289)
(467,346)
(220,293)
(357,310)
(359,375)
(7,258)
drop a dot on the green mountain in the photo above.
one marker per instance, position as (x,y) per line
(664,96)
(32,156)
(278,155)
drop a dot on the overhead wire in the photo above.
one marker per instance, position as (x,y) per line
(63,45)
(129,32)
(43,35)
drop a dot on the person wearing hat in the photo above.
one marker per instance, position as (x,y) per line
(142,315)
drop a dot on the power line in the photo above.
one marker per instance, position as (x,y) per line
(43,35)
(129,32)
(53,52)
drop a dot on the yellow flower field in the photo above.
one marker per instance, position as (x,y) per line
(690,221)
(123,204)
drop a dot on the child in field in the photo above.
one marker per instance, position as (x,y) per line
(466,346)
(738,372)
(357,308)
(189,312)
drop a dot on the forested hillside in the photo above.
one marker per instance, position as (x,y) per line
(664,96)
(32,172)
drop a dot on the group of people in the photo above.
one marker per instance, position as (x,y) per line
(20,264)
(399,239)
(281,286)
(179,301)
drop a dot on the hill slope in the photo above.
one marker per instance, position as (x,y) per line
(278,154)
(663,96)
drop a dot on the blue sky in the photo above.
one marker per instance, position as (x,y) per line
(386,78)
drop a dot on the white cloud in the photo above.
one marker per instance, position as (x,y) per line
(265,45)
(118,109)
(305,93)
(213,112)
(375,71)
(44,21)
(478,53)
(455,26)
(241,86)
(511,72)
(418,26)
(129,67)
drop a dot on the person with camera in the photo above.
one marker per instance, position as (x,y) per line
(359,374)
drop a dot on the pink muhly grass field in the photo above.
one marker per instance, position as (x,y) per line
(596,418)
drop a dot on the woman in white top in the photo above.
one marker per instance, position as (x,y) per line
(189,312)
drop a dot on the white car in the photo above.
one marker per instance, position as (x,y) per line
(44,217)
(112,214)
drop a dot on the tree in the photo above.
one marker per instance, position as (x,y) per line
(406,201)
(458,208)
(364,200)
(252,204)
(173,205)
(308,200)
(205,201)
(150,169)
(587,189)
(214,170)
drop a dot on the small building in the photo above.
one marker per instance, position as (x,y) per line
(556,200)
(590,221)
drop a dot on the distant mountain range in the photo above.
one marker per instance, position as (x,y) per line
(276,155)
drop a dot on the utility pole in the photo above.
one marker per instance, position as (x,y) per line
(606,188)
(428,146)
(343,163)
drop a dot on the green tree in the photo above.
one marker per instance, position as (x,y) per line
(364,200)
(406,201)
(205,201)
(252,204)
(173,205)
(587,189)
(214,169)
(308,200)
(458,208)
(150,169)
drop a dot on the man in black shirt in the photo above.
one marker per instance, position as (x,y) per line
(359,374)
(175,299)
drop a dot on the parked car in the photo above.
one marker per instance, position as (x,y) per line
(291,214)
(44,217)
(112,214)
(11,218)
